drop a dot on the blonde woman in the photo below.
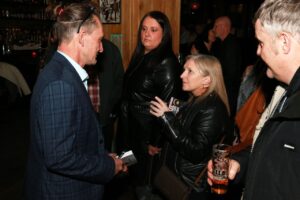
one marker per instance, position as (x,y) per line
(200,122)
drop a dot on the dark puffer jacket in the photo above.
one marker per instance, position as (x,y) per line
(196,128)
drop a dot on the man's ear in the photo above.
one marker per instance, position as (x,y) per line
(81,38)
(285,42)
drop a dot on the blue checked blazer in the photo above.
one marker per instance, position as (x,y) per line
(66,160)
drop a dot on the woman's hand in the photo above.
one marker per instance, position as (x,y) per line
(152,150)
(158,107)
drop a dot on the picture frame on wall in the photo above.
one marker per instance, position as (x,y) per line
(110,11)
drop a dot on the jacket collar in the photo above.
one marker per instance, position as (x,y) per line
(295,84)
(292,97)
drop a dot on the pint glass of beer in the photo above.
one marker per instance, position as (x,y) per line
(220,158)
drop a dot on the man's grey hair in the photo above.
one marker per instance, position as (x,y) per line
(280,16)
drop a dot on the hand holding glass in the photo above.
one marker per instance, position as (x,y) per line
(220,160)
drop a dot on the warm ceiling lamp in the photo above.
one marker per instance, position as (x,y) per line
(195,5)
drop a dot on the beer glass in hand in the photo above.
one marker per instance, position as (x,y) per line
(220,159)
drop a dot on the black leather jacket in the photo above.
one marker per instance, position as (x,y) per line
(196,128)
(142,83)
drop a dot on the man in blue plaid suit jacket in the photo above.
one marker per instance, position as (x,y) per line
(67,160)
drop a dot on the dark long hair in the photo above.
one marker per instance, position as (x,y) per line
(163,49)
(267,85)
(205,33)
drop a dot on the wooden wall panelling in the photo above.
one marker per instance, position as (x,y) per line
(128,30)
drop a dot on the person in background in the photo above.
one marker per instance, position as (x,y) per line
(228,50)
(187,36)
(66,159)
(105,88)
(200,123)
(204,42)
(153,71)
(254,95)
(271,169)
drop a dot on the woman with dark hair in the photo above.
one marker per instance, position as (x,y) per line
(153,71)
(203,43)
